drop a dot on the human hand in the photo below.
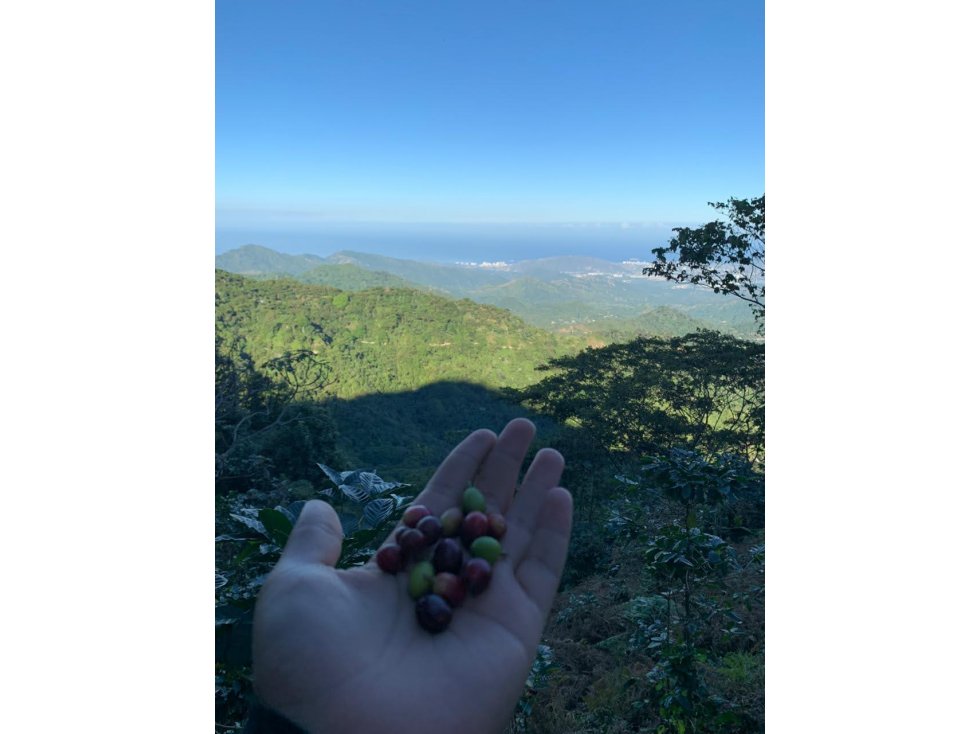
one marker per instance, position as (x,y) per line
(341,651)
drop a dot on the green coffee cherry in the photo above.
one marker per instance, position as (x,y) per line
(473,500)
(420,579)
(486,548)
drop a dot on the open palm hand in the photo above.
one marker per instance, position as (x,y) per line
(341,651)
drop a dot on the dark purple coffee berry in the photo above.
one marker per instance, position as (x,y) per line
(450,587)
(477,573)
(447,556)
(390,558)
(398,532)
(413,514)
(475,525)
(430,527)
(433,612)
(412,540)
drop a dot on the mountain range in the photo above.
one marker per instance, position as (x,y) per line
(583,295)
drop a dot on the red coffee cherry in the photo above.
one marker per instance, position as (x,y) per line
(497,524)
(412,540)
(450,587)
(477,572)
(413,514)
(390,558)
(475,525)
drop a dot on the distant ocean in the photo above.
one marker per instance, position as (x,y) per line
(458,242)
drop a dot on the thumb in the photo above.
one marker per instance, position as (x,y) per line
(317,536)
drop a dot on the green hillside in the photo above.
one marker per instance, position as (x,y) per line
(658,321)
(350,277)
(382,340)
(258,260)
(452,279)
(565,294)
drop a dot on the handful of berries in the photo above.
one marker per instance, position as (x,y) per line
(445,556)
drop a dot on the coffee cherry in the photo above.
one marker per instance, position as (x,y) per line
(477,573)
(430,527)
(447,556)
(497,524)
(450,587)
(451,520)
(398,532)
(486,547)
(473,501)
(390,558)
(433,612)
(412,540)
(475,525)
(413,514)
(420,579)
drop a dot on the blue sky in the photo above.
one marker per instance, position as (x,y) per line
(349,116)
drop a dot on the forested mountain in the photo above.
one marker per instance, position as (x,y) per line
(459,281)
(350,277)
(578,294)
(258,260)
(381,340)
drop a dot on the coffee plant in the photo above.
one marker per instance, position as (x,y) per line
(250,544)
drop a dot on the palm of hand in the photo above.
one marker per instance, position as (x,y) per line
(342,651)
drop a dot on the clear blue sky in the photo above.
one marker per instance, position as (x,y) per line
(384,112)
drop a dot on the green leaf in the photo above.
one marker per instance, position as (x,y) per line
(349,522)
(250,549)
(378,510)
(278,525)
(251,523)
(227,614)
(292,510)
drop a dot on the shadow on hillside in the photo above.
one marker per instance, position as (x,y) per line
(405,435)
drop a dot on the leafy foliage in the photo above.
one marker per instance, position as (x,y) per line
(702,391)
(727,257)
(367,507)
(265,428)
(249,544)
(691,568)
(378,340)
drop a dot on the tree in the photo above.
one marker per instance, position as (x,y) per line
(703,391)
(265,423)
(728,257)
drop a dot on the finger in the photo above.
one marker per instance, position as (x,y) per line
(539,573)
(455,473)
(543,474)
(498,477)
(317,536)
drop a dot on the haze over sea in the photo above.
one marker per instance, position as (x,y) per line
(451,242)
